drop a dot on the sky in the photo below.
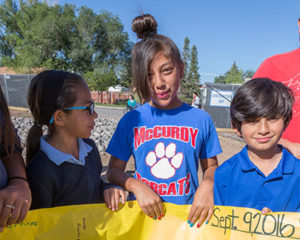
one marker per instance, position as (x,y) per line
(224,31)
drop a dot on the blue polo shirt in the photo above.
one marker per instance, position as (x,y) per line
(238,182)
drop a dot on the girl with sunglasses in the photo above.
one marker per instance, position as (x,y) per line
(64,166)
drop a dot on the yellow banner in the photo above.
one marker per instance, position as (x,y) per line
(96,221)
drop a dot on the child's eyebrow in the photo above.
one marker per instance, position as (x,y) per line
(165,64)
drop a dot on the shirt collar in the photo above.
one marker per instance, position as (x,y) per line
(59,157)
(286,164)
(245,162)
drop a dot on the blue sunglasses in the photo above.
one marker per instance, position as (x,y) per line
(90,108)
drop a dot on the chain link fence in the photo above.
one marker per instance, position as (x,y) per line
(15,88)
(216,99)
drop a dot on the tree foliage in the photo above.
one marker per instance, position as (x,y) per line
(36,35)
(234,75)
(191,79)
(102,78)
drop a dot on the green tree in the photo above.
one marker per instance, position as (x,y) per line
(193,75)
(234,75)
(186,57)
(220,79)
(248,74)
(36,35)
(191,79)
(100,79)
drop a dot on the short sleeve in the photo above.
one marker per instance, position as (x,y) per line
(210,145)
(218,189)
(120,145)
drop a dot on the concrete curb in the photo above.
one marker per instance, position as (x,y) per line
(118,108)
(19,108)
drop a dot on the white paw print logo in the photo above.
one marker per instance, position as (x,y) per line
(163,161)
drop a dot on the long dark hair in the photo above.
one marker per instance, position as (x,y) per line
(7,132)
(48,91)
(144,51)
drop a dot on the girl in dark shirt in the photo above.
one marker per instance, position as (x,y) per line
(64,166)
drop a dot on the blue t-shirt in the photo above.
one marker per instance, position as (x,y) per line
(239,183)
(167,146)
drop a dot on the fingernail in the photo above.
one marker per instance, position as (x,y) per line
(154,218)
(206,222)
(162,216)
(198,225)
(188,221)
(150,216)
(159,218)
(192,224)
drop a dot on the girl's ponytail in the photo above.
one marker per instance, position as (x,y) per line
(33,141)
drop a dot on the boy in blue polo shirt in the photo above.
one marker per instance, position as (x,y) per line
(264,175)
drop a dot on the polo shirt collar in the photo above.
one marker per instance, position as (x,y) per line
(59,157)
(245,162)
(286,164)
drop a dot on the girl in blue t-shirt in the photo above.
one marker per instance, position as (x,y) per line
(64,166)
(165,136)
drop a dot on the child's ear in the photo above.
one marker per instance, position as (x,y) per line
(59,117)
(238,132)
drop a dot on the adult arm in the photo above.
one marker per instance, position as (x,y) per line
(147,199)
(293,148)
(17,192)
(203,203)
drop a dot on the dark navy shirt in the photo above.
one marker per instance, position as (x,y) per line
(239,183)
(68,183)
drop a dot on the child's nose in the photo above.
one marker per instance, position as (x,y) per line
(159,81)
(263,126)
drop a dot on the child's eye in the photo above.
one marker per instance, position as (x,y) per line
(273,119)
(150,76)
(168,70)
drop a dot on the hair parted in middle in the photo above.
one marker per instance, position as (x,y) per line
(261,98)
(144,51)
